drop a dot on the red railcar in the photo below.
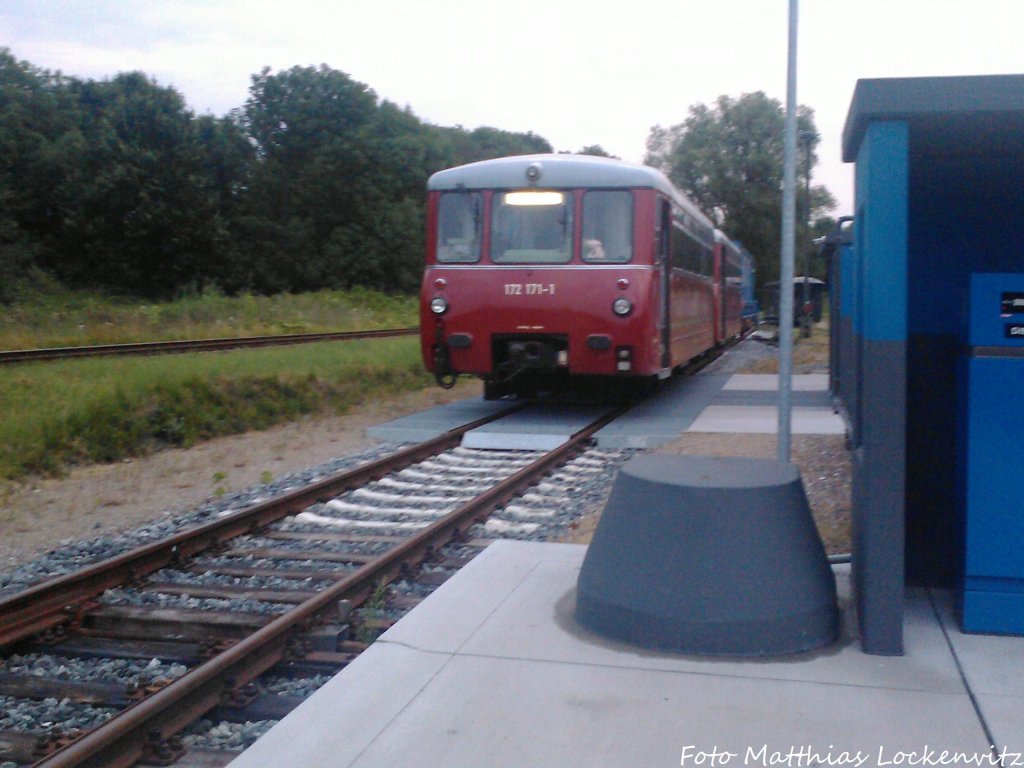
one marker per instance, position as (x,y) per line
(548,270)
(729,259)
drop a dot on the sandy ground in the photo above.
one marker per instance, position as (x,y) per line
(37,516)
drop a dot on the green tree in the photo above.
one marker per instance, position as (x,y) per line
(226,157)
(35,112)
(312,183)
(728,158)
(313,173)
(457,146)
(337,189)
(135,213)
(597,151)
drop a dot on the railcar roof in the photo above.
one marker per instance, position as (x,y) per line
(561,171)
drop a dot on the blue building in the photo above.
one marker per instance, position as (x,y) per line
(939,197)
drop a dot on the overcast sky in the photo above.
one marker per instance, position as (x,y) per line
(576,72)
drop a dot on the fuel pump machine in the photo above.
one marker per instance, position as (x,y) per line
(992,455)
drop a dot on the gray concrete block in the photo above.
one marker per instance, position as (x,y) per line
(712,556)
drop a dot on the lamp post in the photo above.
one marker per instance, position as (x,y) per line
(807,138)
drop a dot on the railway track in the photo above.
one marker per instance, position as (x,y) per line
(294,586)
(193,345)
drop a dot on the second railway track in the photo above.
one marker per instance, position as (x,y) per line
(194,345)
(295,585)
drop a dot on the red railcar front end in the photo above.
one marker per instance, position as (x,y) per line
(561,320)
(547,270)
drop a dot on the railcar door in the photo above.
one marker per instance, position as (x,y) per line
(725,291)
(718,291)
(665,261)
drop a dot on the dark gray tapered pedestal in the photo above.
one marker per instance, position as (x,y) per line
(712,556)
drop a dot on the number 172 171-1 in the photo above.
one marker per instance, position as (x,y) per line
(529,289)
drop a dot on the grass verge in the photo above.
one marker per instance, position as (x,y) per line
(80,411)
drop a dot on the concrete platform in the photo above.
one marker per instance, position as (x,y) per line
(702,403)
(748,403)
(744,403)
(492,670)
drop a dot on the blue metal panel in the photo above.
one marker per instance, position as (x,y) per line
(879,385)
(882,183)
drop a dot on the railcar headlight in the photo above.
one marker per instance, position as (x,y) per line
(622,307)
(438,305)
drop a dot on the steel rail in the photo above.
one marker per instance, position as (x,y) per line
(194,345)
(63,598)
(122,741)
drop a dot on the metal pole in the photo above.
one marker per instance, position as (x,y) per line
(805,318)
(786,256)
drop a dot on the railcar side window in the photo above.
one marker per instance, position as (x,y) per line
(733,272)
(458,227)
(687,253)
(531,227)
(608,227)
(688,250)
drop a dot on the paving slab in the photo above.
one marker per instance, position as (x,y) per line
(769,382)
(799,399)
(560,639)
(541,427)
(664,416)
(1004,716)
(358,703)
(993,666)
(500,712)
(459,607)
(491,670)
(417,427)
(764,419)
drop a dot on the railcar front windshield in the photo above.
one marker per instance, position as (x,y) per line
(531,227)
(608,227)
(458,227)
